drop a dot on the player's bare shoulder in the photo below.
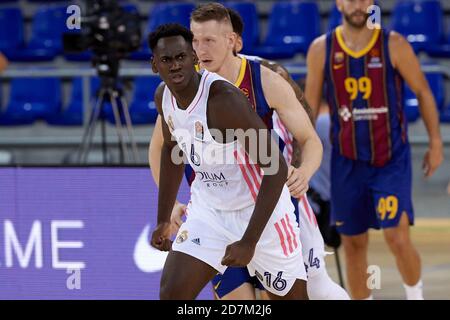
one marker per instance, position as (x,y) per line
(227,106)
(275,87)
(397,46)
(318,42)
(316,51)
(270,79)
(224,96)
(276,67)
(396,38)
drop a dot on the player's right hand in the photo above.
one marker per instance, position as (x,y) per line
(161,237)
(297,182)
(433,159)
(178,211)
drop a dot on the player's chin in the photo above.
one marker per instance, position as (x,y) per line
(359,23)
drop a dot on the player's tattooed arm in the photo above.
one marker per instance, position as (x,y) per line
(170,176)
(282,71)
(228,108)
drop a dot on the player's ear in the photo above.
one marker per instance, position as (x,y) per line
(194,56)
(232,39)
(152,62)
(339,5)
(239,44)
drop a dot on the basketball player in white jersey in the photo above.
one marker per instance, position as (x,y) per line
(246,217)
(320,285)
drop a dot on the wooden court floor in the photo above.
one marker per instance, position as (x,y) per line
(432,239)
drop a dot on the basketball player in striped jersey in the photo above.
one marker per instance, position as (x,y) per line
(364,67)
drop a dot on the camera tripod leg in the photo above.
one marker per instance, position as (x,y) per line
(126,112)
(123,147)
(89,130)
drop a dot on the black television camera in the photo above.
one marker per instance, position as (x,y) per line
(109,32)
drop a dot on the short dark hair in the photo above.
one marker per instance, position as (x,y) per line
(210,11)
(169,30)
(236,21)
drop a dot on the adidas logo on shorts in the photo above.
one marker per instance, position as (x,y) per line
(196,241)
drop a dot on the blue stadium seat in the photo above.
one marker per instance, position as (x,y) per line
(249,14)
(31,99)
(142,108)
(72,115)
(440,50)
(46,40)
(163,13)
(11,31)
(444,115)
(171,12)
(421,22)
(334,18)
(129,7)
(436,83)
(292,27)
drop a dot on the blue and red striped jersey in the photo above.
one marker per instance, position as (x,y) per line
(365,94)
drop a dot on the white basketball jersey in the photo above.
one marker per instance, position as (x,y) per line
(225,178)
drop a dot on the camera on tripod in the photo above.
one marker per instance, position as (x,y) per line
(109,32)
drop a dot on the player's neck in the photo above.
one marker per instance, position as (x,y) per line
(185,96)
(356,38)
(230,68)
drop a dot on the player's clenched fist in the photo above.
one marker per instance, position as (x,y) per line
(238,254)
(161,237)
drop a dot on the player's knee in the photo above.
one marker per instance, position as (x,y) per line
(354,245)
(298,291)
(398,243)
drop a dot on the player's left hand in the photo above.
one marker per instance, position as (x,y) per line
(297,182)
(433,159)
(238,254)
